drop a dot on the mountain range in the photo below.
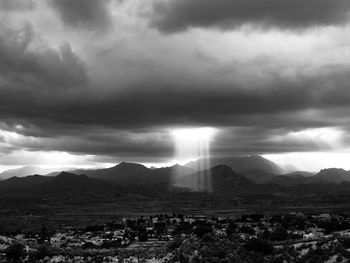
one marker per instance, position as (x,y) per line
(137,174)
(63,187)
(262,176)
(24,171)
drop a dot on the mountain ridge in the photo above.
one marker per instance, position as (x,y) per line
(238,164)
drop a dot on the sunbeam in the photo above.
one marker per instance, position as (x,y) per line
(193,144)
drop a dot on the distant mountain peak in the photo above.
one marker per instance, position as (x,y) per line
(327,170)
(130,164)
(25,171)
(335,175)
(122,173)
(69,176)
(221,167)
(219,178)
(126,166)
(64,173)
(238,163)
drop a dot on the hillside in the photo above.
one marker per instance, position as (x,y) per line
(258,176)
(24,171)
(240,164)
(123,173)
(65,187)
(217,179)
(18,183)
(288,181)
(334,175)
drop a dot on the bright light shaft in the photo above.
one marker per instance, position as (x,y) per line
(194,144)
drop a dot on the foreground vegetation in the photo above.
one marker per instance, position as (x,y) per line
(179,238)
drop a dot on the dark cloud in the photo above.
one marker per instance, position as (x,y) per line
(122,144)
(92,14)
(134,123)
(179,15)
(46,97)
(132,90)
(150,104)
(260,140)
(21,61)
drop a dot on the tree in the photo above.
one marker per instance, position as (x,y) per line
(247,230)
(346,243)
(15,251)
(175,243)
(160,228)
(279,234)
(88,245)
(142,236)
(111,244)
(43,251)
(203,229)
(231,228)
(259,245)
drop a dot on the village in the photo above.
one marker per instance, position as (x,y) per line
(173,238)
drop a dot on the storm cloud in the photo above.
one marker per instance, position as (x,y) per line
(23,58)
(179,15)
(84,13)
(270,87)
(136,122)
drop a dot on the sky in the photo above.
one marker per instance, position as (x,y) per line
(96,82)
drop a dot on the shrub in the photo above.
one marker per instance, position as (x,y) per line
(259,245)
(175,243)
(279,234)
(14,251)
(203,229)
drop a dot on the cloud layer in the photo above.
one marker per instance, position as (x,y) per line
(178,15)
(95,80)
(81,13)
